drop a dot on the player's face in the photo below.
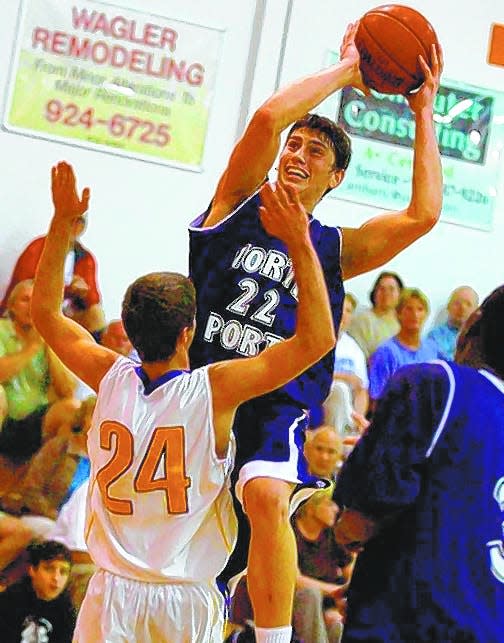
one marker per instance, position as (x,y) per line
(323,453)
(49,578)
(307,163)
(462,304)
(412,314)
(387,294)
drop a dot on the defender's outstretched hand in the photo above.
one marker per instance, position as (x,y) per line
(282,214)
(67,204)
(424,97)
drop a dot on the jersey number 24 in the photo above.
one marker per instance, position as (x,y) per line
(165,441)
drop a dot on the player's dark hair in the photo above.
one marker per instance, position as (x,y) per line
(155,309)
(489,325)
(383,275)
(47,550)
(338,138)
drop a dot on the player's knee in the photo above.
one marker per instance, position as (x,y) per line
(267,502)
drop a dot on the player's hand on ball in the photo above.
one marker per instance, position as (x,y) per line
(282,214)
(350,54)
(424,97)
(67,203)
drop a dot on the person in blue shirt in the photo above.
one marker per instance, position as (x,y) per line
(407,347)
(463,301)
(422,498)
(246,293)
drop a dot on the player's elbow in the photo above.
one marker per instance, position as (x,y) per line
(266,120)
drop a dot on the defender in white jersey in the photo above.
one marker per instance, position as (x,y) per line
(160,524)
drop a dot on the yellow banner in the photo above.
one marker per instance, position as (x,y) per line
(113,79)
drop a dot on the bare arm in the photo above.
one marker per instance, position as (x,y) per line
(383,237)
(71,342)
(236,381)
(61,379)
(255,152)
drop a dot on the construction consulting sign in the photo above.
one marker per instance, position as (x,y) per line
(113,79)
(469,127)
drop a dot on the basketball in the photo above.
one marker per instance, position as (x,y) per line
(389,40)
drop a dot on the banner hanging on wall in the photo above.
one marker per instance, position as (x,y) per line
(113,79)
(469,124)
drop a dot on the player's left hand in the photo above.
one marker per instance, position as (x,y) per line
(424,97)
(282,213)
(67,203)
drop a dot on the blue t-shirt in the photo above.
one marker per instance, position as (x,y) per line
(247,295)
(430,470)
(391,355)
(445,338)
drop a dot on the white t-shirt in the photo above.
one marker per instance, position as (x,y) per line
(349,358)
(69,528)
(159,504)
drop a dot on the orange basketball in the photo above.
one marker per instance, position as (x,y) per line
(389,40)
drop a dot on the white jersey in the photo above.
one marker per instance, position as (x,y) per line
(159,505)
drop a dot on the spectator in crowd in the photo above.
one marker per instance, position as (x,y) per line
(324,572)
(15,535)
(323,450)
(463,301)
(82,298)
(69,530)
(38,608)
(407,347)
(36,390)
(423,498)
(55,472)
(373,326)
(349,390)
(114,337)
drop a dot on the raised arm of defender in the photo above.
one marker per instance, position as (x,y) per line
(71,342)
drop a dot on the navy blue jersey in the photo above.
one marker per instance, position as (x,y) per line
(247,296)
(430,470)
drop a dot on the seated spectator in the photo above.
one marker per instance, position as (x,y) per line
(57,470)
(463,301)
(323,451)
(114,337)
(371,327)
(82,298)
(69,530)
(350,377)
(407,347)
(324,572)
(15,535)
(36,390)
(38,608)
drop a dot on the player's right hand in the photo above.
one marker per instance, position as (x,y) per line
(282,214)
(350,54)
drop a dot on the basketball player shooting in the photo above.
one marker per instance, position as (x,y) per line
(160,523)
(247,296)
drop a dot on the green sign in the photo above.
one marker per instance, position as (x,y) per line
(469,124)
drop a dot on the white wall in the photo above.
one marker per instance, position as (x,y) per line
(139,211)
